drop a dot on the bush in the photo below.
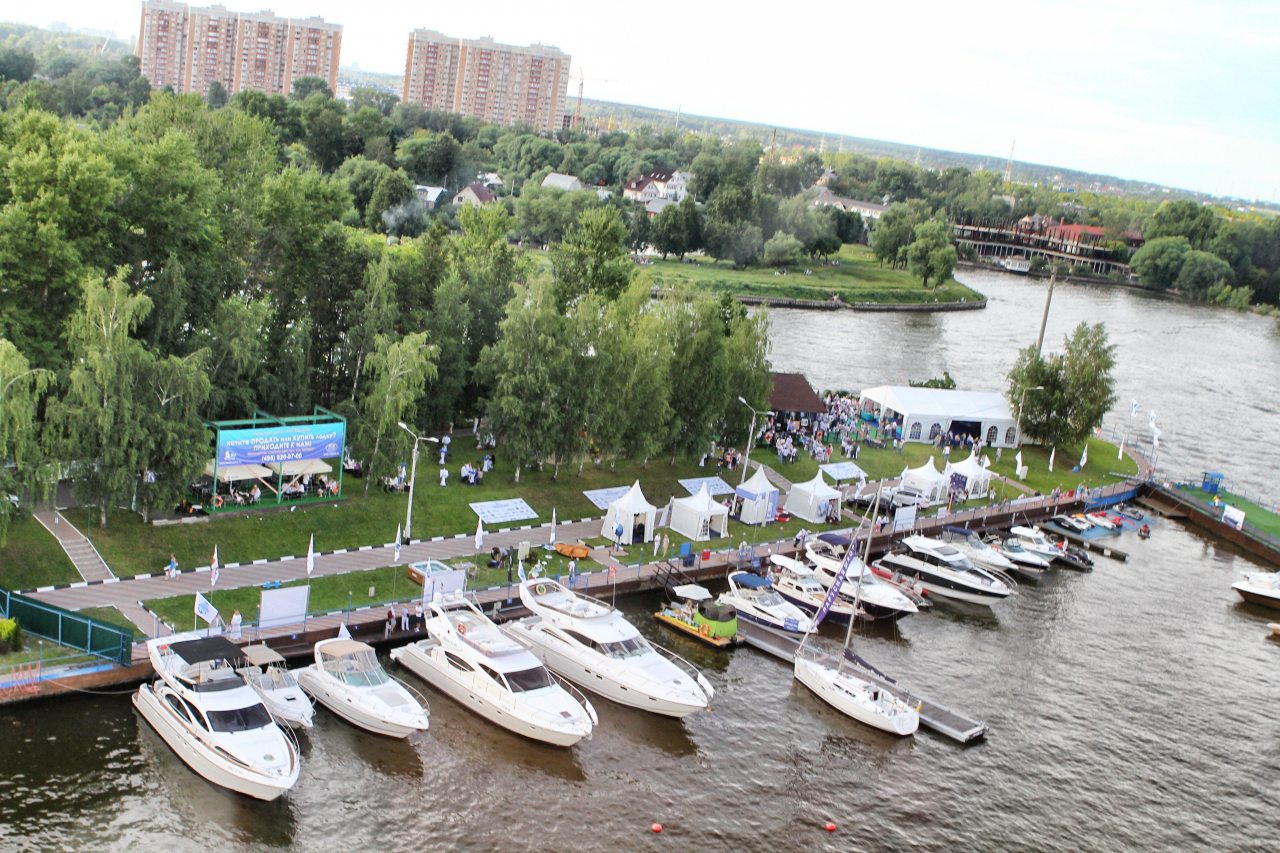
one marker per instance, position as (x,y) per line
(10,636)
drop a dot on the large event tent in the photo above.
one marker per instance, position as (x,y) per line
(634,513)
(759,499)
(699,517)
(927,480)
(812,501)
(927,413)
(976,475)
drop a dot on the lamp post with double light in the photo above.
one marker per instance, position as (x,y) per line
(751,439)
(413,475)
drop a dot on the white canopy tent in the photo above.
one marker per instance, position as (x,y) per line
(301,467)
(634,513)
(699,517)
(977,476)
(927,480)
(759,499)
(929,412)
(236,473)
(812,500)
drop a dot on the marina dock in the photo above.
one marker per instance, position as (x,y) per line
(1094,545)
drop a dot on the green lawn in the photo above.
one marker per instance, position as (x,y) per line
(1103,467)
(32,558)
(35,649)
(858,277)
(1256,516)
(112,616)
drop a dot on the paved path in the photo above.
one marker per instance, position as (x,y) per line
(79,549)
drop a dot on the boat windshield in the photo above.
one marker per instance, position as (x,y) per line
(243,719)
(768,599)
(529,679)
(628,648)
(360,669)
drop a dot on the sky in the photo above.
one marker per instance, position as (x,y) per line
(1184,93)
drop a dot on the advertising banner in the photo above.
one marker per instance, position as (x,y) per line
(280,444)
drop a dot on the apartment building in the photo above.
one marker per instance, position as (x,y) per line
(498,83)
(190,47)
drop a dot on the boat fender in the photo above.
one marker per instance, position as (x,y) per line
(540,589)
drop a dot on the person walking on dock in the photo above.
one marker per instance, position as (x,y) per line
(236,620)
(391,623)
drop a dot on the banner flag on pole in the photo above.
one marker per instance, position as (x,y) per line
(397,559)
(479,534)
(849,556)
(1017,463)
(1155,437)
(213,568)
(1084,457)
(1151,418)
(1120,455)
(1052,453)
(205,610)
(520,572)
(311,555)
(553,525)
(1133,409)
(343,633)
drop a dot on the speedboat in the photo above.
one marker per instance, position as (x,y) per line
(267,673)
(215,722)
(946,572)
(348,680)
(1100,519)
(472,661)
(983,555)
(1034,540)
(758,602)
(1023,560)
(692,612)
(1260,588)
(878,598)
(843,688)
(1072,523)
(796,582)
(593,644)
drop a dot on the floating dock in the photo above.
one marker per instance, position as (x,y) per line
(1091,544)
(937,718)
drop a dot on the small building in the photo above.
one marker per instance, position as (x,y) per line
(491,180)
(926,413)
(429,196)
(671,184)
(866,209)
(654,206)
(559,181)
(475,194)
(793,396)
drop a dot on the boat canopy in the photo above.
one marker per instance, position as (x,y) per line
(835,539)
(750,581)
(341,648)
(691,591)
(206,649)
(261,655)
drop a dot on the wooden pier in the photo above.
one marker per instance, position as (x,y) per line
(1089,544)
(938,718)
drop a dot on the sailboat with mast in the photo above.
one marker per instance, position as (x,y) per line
(838,682)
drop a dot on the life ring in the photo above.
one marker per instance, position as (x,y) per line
(217,501)
(703,629)
(462,629)
(540,589)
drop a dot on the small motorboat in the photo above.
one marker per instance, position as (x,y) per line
(268,674)
(757,601)
(1034,540)
(1075,524)
(1075,557)
(1024,562)
(983,555)
(1144,532)
(1130,512)
(693,612)
(348,680)
(796,582)
(1101,519)
(946,572)
(1262,588)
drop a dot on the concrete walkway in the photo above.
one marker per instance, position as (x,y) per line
(83,555)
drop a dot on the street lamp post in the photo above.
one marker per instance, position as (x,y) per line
(413,475)
(1022,402)
(751,439)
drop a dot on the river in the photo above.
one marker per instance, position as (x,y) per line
(1130,708)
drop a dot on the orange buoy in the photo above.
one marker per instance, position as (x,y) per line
(657,827)
(830,827)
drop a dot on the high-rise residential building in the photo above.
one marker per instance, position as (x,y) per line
(190,47)
(497,83)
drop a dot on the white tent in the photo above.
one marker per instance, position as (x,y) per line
(235,473)
(977,476)
(301,467)
(634,513)
(699,517)
(759,499)
(927,480)
(812,501)
(929,412)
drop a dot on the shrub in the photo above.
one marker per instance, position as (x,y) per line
(10,636)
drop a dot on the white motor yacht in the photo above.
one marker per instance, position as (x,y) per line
(797,583)
(1260,588)
(591,643)
(1023,560)
(269,676)
(348,680)
(1074,523)
(214,721)
(878,600)
(757,601)
(471,660)
(946,572)
(1034,540)
(969,543)
(847,691)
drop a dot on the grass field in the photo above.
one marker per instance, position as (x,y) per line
(32,558)
(858,277)
(1260,517)
(1103,467)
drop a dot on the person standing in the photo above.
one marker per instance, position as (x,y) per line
(391,622)
(404,618)
(573,572)
(444,476)
(419,617)
(236,620)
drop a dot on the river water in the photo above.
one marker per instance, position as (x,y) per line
(1130,708)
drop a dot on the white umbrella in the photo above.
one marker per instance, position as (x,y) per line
(479,534)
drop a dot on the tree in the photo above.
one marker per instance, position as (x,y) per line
(677,229)
(1183,218)
(1159,261)
(1076,387)
(737,241)
(392,205)
(305,87)
(16,63)
(429,157)
(1201,272)
(217,97)
(592,258)
(699,382)
(172,393)
(398,370)
(782,249)
(21,388)
(449,323)
(892,232)
(931,255)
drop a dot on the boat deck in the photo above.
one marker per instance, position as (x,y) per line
(938,718)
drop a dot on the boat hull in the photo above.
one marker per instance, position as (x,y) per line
(1253,596)
(429,670)
(938,588)
(342,703)
(200,758)
(841,692)
(695,631)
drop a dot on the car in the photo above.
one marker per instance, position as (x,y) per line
(903,496)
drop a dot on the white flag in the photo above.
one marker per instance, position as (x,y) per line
(311,555)
(343,633)
(205,610)
(397,559)
(479,534)
(1052,453)
(553,525)
(1120,455)
(1155,437)
(1151,418)
(1017,462)
(1133,409)
(520,572)
(213,568)
(1084,457)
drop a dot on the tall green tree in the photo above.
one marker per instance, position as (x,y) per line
(1159,261)
(593,257)
(398,371)
(172,393)
(892,233)
(1201,272)
(1076,387)
(21,388)
(930,255)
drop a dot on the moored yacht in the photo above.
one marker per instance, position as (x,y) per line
(797,583)
(1034,540)
(758,602)
(470,659)
(946,572)
(267,673)
(215,722)
(878,600)
(348,680)
(1260,588)
(594,645)
(841,686)
(1024,562)
(984,555)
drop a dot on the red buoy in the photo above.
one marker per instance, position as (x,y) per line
(657,827)
(830,827)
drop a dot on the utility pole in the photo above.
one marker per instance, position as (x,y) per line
(1044,320)
(1008,167)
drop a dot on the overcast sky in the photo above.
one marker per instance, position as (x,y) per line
(1180,92)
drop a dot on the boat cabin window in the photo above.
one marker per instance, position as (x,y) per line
(243,719)
(359,670)
(628,648)
(585,641)
(176,704)
(457,662)
(195,715)
(529,679)
(496,676)
(768,598)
